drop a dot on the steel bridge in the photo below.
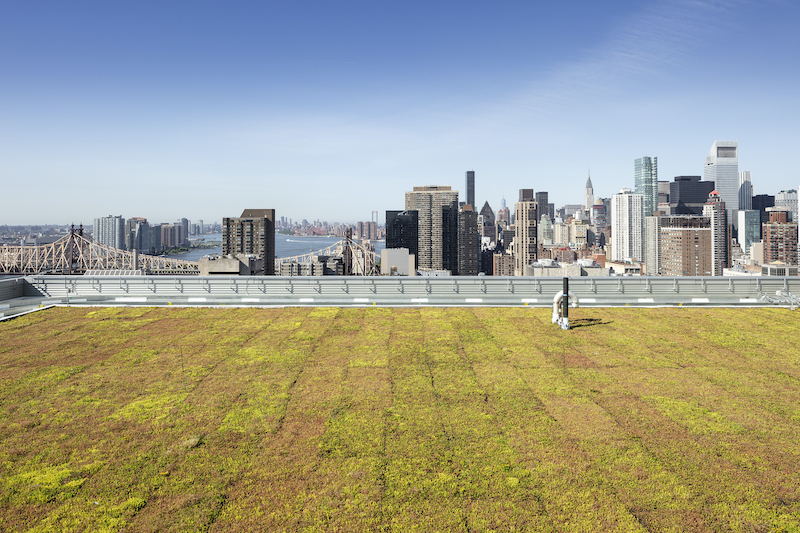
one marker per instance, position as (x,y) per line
(76,254)
(358,259)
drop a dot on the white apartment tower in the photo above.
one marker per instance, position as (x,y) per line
(525,233)
(428,201)
(722,167)
(627,225)
(110,231)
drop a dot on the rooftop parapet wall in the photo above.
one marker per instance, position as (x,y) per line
(12,288)
(399,291)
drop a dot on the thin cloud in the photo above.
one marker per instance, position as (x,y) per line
(652,41)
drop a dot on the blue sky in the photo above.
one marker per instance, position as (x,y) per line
(333,109)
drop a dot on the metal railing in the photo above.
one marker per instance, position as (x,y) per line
(405,291)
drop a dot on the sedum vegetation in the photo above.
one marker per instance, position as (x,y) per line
(470,419)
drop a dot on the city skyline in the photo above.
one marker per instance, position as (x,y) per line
(330,111)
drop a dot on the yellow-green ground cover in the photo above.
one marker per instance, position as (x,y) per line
(425,419)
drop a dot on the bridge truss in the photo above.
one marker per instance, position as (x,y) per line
(359,259)
(75,254)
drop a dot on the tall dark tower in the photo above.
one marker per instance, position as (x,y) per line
(402,229)
(543,205)
(526,195)
(469,242)
(450,237)
(470,187)
(688,195)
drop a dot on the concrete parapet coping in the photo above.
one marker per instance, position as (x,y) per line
(395,291)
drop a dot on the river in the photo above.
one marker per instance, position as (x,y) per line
(285,246)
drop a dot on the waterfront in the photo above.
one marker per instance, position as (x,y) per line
(285,246)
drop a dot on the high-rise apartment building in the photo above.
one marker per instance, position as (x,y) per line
(172,235)
(367,230)
(645,174)
(155,238)
(110,231)
(137,235)
(780,239)
(722,167)
(502,264)
(525,233)
(745,191)
(184,235)
(469,186)
(720,250)
(251,233)
(627,225)
(428,202)
(685,246)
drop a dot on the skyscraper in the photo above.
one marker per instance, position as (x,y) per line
(652,249)
(788,198)
(137,235)
(468,242)
(780,239)
(470,188)
(627,226)
(184,235)
(110,231)
(760,203)
(588,194)
(722,167)
(402,232)
(645,174)
(716,211)
(688,195)
(489,228)
(449,237)
(251,233)
(545,230)
(685,246)
(525,232)
(544,206)
(749,228)
(745,191)
(428,202)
